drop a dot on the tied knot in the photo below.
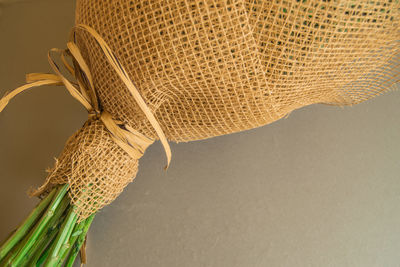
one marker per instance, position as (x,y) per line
(131,141)
(93,115)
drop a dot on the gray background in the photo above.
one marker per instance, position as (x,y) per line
(320,188)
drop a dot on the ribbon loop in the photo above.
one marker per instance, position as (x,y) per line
(120,70)
(130,140)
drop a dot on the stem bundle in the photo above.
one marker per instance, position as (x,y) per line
(49,236)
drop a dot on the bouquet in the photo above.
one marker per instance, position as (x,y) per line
(184,71)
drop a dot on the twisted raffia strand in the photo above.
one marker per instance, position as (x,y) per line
(130,140)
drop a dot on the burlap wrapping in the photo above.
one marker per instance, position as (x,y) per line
(208,68)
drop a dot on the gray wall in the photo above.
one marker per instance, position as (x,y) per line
(320,188)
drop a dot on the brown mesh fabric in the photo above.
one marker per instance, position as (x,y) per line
(208,68)
(96,169)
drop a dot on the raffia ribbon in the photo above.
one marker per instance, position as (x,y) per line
(130,140)
(101,158)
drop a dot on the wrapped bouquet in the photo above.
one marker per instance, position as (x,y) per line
(181,70)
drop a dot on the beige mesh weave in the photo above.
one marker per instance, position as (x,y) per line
(96,169)
(208,68)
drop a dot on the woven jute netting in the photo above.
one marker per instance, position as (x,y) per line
(209,68)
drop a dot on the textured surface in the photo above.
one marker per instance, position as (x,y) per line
(320,188)
(211,67)
(96,169)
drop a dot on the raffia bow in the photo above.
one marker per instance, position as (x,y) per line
(132,142)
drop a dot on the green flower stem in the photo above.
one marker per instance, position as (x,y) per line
(77,246)
(41,225)
(67,247)
(13,253)
(44,255)
(78,230)
(42,249)
(50,236)
(62,238)
(49,232)
(26,225)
